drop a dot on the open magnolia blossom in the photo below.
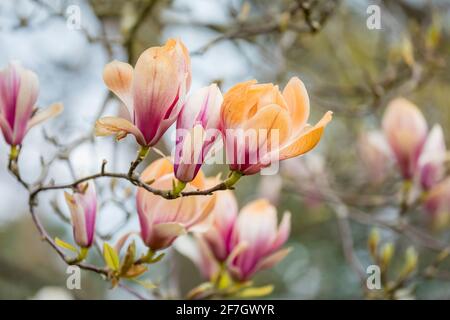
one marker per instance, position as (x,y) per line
(197,131)
(244,244)
(153,92)
(83,209)
(406,130)
(257,239)
(421,155)
(162,220)
(261,125)
(19,90)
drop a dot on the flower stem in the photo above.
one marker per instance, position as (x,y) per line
(14,153)
(82,254)
(178,186)
(140,157)
(406,189)
(232,179)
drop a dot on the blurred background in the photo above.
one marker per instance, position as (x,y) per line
(335,198)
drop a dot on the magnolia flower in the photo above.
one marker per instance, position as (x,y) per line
(153,92)
(432,159)
(257,239)
(218,237)
(261,125)
(162,220)
(405,129)
(197,131)
(19,89)
(375,154)
(83,209)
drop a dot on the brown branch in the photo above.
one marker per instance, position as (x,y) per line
(275,24)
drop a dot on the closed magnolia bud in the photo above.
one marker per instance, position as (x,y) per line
(83,208)
(386,254)
(411,259)
(197,131)
(405,129)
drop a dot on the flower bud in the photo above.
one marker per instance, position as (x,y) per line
(83,208)
(405,129)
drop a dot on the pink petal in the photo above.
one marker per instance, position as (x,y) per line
(297,100)
(283,231)
(406,129)
(6,130)
(26,99)
(271,260)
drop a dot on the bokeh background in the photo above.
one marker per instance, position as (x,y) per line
(335,202)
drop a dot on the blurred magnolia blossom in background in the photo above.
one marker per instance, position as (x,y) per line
(421,157)
(238,245)
(296,185)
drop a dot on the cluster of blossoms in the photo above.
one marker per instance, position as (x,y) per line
(256,123)
(419,154)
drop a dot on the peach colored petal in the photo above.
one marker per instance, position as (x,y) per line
(120,127)
(306,140)
(297,100)
(275,120)
(118,77)
(236,105)
(157,169)
(406,130)
(45,114)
